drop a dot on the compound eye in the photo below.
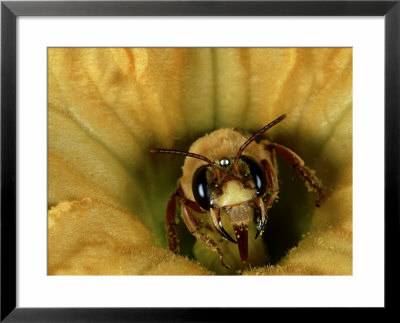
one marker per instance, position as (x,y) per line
(201,189)
(258,175)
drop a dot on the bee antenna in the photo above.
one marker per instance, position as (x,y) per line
(188,154)
(253,137)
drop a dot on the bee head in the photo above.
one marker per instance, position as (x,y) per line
(229,187)
(232,195)
(231,180)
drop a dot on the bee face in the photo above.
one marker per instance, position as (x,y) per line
(231,187)
(221,147)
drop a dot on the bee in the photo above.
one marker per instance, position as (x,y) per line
(226,174)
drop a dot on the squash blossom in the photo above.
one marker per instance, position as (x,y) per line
(107,194)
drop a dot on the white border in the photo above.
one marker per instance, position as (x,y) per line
(364,288)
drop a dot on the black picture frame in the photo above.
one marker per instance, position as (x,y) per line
(11,10)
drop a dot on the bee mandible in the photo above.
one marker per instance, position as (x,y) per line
(226,174)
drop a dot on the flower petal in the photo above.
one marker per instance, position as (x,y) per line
(89,237)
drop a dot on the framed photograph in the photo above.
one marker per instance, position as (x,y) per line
(163,160)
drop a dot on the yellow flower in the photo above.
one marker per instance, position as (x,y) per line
(109,106)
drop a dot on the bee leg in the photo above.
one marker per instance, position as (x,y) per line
(272,178)
(170,219)
(191,224)
(305,173)
(272,190)
(263,216)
